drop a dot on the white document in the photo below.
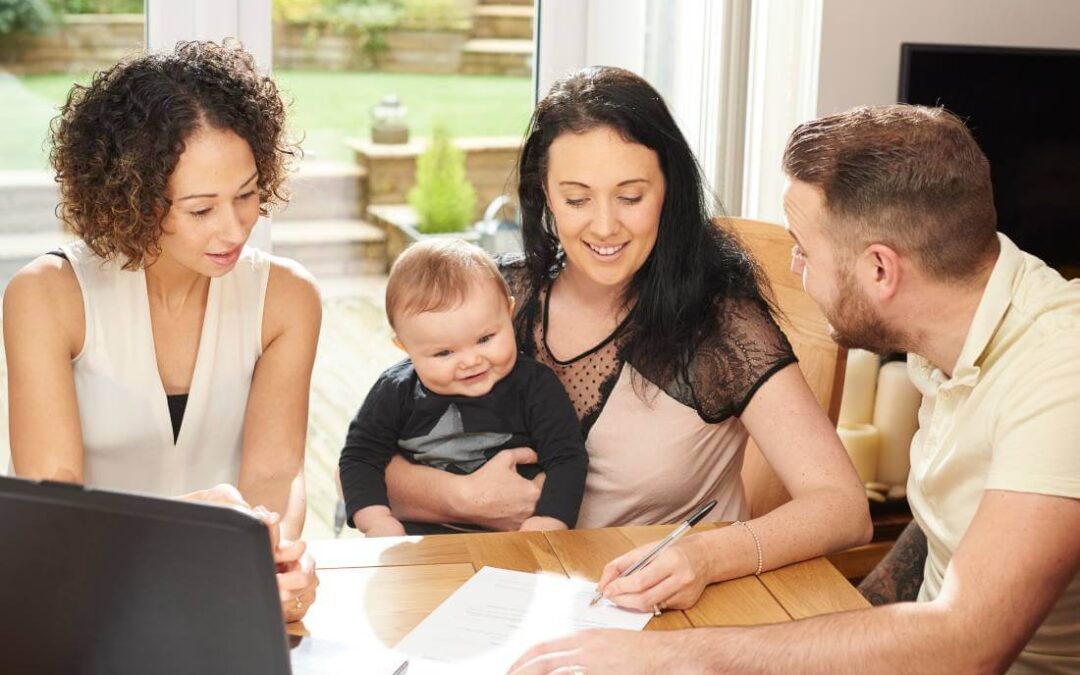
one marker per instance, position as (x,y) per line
(498,614)
(322,656)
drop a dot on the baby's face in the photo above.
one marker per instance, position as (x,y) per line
(464,350)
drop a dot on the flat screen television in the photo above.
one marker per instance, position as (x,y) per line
(1023,106)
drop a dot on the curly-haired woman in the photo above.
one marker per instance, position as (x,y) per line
(157,353)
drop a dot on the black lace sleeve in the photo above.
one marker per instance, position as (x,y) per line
(743,349)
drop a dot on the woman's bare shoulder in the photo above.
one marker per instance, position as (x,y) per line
(45,295)
(292,297)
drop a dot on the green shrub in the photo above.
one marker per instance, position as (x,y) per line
(365,20)
(434,15)
(443,197)
(97,6)
(23,16)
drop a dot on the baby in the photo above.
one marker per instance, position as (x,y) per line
(463,394)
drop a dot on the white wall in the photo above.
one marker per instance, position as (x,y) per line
(860,39)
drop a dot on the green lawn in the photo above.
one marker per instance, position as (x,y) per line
(327,107)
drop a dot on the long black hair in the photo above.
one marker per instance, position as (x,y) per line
(693,264)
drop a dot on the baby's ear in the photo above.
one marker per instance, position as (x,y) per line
(513,303)
(397,342)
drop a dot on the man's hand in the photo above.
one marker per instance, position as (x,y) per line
(609,651)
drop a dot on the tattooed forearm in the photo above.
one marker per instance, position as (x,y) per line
(898,577)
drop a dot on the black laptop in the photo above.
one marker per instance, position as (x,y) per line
(103,582)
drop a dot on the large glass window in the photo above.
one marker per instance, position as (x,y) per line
(371,82)
(45,47)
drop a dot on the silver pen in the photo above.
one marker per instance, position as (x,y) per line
(663,544)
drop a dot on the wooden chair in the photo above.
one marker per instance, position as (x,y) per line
(822,361)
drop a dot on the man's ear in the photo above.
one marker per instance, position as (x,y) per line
(513,304)
(397,342)
(883,270)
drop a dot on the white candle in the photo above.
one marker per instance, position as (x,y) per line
(862,442)
(896,415)
(860,382)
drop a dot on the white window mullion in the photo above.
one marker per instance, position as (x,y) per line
(170,21)
(782,92)
(692,51)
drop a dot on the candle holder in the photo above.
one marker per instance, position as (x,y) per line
(389,121)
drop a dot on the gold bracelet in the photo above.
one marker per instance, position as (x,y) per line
(757,543)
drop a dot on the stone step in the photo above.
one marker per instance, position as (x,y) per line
(497,57)
(28,202)
(324,190)
(332,248)
(503,22)
(19,248)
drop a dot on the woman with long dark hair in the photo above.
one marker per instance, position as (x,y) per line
(656,323)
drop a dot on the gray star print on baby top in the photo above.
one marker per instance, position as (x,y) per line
(448,444)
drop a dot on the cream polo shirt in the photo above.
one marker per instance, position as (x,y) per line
(1007,419)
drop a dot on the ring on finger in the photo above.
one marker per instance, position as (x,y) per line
(656,610)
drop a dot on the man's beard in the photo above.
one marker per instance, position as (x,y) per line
(855,324)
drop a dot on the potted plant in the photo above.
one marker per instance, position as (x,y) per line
(444,199)
(441,204)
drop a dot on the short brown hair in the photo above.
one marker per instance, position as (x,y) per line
(437,274)
(910,177)
(118,139)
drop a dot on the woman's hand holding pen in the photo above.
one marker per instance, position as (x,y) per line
(674,580)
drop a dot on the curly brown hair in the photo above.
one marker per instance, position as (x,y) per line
(116,141)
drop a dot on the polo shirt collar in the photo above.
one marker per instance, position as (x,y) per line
(996,298)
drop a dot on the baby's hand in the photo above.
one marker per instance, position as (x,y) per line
(378,521)
(385,527)
(539,523)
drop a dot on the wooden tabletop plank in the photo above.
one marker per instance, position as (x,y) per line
(811,588)
(585,557)
(521,551)
(390,551)
(379,604)
(739,602)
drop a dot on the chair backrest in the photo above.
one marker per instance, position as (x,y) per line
(822,361)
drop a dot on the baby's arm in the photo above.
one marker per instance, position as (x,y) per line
(378,521)
(554,427)
(369,445)
(540,523)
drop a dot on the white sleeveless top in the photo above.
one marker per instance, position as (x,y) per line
(126,429)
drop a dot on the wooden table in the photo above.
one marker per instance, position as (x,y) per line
(374,591)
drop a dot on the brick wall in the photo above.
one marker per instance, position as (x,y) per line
(90,42)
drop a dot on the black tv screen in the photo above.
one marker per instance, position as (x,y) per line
(1023,106)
